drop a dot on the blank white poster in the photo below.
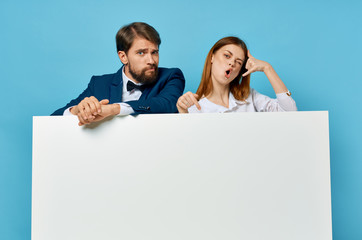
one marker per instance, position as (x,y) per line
(177,177)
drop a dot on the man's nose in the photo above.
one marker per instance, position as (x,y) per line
(150,59)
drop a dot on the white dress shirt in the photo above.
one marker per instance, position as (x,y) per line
(256,102)
(126,109)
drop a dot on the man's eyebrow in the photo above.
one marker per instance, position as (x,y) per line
(142,50)
(146,49)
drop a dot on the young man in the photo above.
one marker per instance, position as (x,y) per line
(138,87)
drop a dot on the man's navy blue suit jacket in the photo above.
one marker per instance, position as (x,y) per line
(161,97)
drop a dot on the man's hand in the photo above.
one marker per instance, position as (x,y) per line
(91,110)
(87,108)
(106,111)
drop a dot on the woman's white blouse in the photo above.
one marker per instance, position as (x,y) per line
(256,102)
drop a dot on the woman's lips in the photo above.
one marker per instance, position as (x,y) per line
(228,73)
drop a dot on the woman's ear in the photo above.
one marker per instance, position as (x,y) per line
(123,57)
(212,58)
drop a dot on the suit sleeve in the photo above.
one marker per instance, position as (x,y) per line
(165,100)
(89,91)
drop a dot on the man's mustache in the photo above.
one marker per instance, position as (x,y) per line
(151,66)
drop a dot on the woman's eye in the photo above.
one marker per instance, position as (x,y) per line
(227,55)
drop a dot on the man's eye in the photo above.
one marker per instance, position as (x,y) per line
(140,53)
(155,53)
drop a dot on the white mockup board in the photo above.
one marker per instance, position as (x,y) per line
(183,177)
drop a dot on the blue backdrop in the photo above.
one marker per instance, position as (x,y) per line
(50,49)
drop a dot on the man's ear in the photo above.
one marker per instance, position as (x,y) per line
(123,57)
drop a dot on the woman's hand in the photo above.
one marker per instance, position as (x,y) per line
(255,65)
(186,101)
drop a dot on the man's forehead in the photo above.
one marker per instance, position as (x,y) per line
(141,43)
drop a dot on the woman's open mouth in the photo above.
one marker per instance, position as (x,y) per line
(228,73)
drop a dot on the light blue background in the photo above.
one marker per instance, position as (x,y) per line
(50,49)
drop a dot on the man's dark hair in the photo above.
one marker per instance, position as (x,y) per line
(126,35)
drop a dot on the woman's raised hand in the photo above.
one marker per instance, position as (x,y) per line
(255,65)
(186,101)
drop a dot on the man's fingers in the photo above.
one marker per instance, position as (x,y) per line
(104,102)
(86,110)
(93,104)
(82,121)
(94,99)
(98,107)
(82,111)
(93,107)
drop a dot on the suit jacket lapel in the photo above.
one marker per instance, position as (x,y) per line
(116,87)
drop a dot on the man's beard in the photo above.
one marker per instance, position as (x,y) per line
(141,76)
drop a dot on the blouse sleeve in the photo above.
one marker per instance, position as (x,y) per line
(282,103)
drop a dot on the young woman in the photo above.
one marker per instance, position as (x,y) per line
(225,83)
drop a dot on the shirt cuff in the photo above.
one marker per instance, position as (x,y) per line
(125,109)
(284,94)
(286,101)
(67,112)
